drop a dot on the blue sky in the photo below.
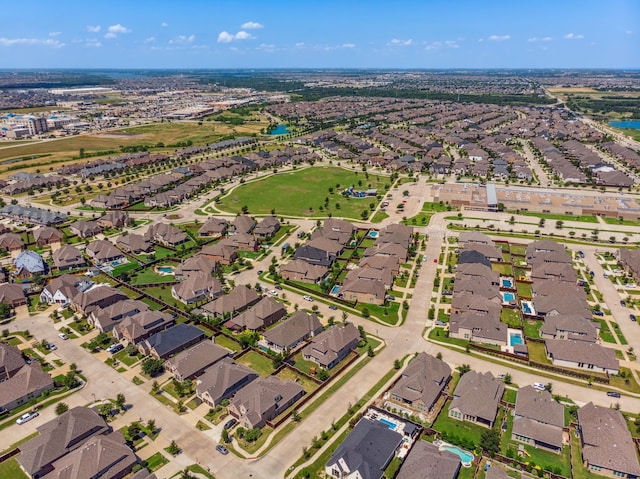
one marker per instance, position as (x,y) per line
(321,34)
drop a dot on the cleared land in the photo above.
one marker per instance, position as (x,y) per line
(304,193)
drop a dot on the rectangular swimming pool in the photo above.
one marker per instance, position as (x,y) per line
(508,297)
(507,283)
(388,423)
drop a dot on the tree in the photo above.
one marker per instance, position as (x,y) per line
(295,416)
(252,435)
(133,430)
(173,448)
(155,387)
(105,409)
(224,436)
(152,366)
(490,441)
(439,356)
(507,378)
(61,408)
(549,387)
(322,374)
(464,369)
(151,425)
(120,401)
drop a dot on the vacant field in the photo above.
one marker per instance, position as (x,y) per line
(304,193)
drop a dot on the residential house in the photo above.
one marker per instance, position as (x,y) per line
(468,238)
(477,271)
(103,456)
(384,276)
(114,220)
(387,249)
(547,306)
(196,264)
(363,291)
(242,241)
(98,296)
(571,326)
(555,271)
(262,400)
(427,461)
(29,263)
(134,243)
(473,256)
(629,259)
(267,227)
(11,361)
(332,345)
(214,228)
(29,382)
(299,270)
(47,236)
(575,354)
(166,234)
(68,257)
(197,287)
(11,242)
(63,288)
(193,361)
(140,326)
(103,252)
(223,252)
(171,341)
(488,251)
(365,452)
(478,327)
(292,332)
(607,446)
(421,383)
(222,380)
(239,299)
(538,420)
(105,319)
(390,263)
(85,229)
(263,314)
(12,294)
(242,224)
(476,398)
(59,437)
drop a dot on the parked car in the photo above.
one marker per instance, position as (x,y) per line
(277,286)
(581,253)
(222,450)
(435,260)
(230,423)
(26,417)
(605,275)
(598,313)
(501,376)
(273,292)
(63,336)
(306,297)
(538,386)
(623,303)
(114,348)
(613,394)
(333,306)
(51,347)
(632,317)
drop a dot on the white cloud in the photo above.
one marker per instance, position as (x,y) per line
(225,37)
(400,43)
(433,46)
(110,36)
(182,39)
(93,28)
(267,47)
(300,45)
(251,26)
(164,24)
(54,34)
(149,39)
(49,42)
(536,39)
(574,36)
(629,32)
(348,45)
(242,35)
(451,44)
(93,43)
(117,28)
(499,38)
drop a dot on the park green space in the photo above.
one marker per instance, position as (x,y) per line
(555,217)
(303,193)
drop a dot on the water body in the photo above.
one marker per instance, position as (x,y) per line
(633,124)
(280,130)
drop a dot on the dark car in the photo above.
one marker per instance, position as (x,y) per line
(632,317)
(613,394)
(277,286)
(222,450)
(333,306)
(230,423)
(598,313)
(623,304)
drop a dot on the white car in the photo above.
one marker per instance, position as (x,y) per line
(63,336)
(307,298)
(273,292)
(538,386)
(26,417)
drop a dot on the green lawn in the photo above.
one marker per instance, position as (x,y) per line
(550,216)
(163,294)
(616,221)
(156,461)
(118,270)
(518,249)
(532,328)
(11,469)
(452,427)
(225,342)
(147,276)
(511,317)
(303,192)
(605,332)
(524,290)
(537,352)
(439,334)
(379,216)
(303,381)
(502,269)
(259,363)
(618,333)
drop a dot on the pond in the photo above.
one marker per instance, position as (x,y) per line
(280,130)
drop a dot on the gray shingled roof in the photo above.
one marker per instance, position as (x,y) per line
(478,395)
(426,461)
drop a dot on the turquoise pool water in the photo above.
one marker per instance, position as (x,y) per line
(387,423)
(515,338)
(526,308)
(335,290)
(465,457)
(508,297)
(373,234)
(280,130)
(507,283)
(166,269)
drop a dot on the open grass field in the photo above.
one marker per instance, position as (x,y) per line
(62,151)
(11,469)
(303,193)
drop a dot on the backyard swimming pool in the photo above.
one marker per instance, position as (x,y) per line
(335,290)
(507,283)
(388,423)
(508,297)
(515,338)
(166,269)
(465,457)
(527,308)
(373,234)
